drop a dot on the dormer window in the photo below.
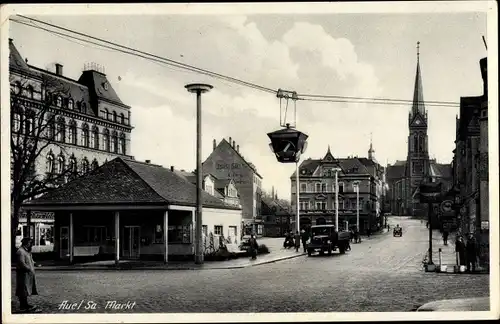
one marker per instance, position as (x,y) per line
(84,107)
(17,88)
(70,104)
(114,116)
(29,92)
(59,101)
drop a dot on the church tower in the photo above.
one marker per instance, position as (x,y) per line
(417,162)
(371,151)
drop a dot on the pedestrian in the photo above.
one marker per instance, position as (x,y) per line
(297,241)
(445,236)
(305,238)
(25,275)
(427,224)
(368,231)
(253,246)
(460,250)
(471,253)
(351,234)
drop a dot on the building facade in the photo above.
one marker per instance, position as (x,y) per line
(405,176)
(276,215)
(470,174)
(226,162)
(86,124)
(317,192)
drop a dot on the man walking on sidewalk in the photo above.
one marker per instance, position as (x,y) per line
(305,238)
(297,241)
(25,275)
(471,250)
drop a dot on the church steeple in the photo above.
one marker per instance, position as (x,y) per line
(371,151)
(418,93)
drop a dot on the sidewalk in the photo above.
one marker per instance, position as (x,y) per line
(448,255)
(275,245)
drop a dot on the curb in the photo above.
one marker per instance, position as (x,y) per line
(160,268)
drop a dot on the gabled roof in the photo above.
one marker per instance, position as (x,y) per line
(347,165)
(328,156)
(16,61)
(273,206)
(123,181)
(441,170)
(226,144)
(96,82)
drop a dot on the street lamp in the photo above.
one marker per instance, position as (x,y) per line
(288,144)
(198,88)
(336,170)
(356,186)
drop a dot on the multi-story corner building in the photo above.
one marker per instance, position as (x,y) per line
(226,162)
(471,166)
(92,124)
(405,177)
(317,191)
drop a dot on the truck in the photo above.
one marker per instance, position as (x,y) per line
(325,238)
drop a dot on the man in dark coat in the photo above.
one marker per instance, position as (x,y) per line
(305,238)
(297,241)
(445,236)
(460,249)
(254,246)
(471,250)
(25,274)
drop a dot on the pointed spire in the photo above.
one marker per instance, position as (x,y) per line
(418,94)
(371,150)
(329,149)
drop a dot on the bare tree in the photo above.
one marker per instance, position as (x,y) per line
(34,128)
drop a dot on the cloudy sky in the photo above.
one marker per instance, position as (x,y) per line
(363,55)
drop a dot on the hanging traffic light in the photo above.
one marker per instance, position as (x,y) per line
(288,144)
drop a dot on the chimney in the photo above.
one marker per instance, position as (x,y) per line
(234,144)
(238,148)
(230,139)
(148,161)
(215,144)
(59,69)
(172,168)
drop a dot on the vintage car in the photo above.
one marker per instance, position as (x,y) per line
(398,231)
(324,238)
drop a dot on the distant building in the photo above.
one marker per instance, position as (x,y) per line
(405,177)
(226,162)
(317,191)
(275,215)
(93,125)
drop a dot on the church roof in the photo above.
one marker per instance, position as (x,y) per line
(396,171)
(123,181)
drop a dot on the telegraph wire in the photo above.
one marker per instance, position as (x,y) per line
(155,58)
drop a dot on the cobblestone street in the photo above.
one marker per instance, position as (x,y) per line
(383,273)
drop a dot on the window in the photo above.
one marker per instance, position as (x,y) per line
(95,164)
(29,92)
(122,118)
(61,130)
(415,143)
(324,187)
(204,230)
(318,187)
(17,88)
(105,140)
(85,165)
(114,142)
(218,230)
(28,122)
(341,187)
(95,131)
(73,167)
(92,138)
(50,164)
(72,132)
(114,117)
(303,187)
(84,107)
(92,235)
(59,101)
(158,236)
(60,164)
(16,122)
(123,144)
(304,205)
(85,135)
(70,104)
(321,205)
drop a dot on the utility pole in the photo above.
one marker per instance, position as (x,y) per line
(297,196)
(357,205)
(198,88)
(336,198)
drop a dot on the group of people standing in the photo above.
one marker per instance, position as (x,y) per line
(294,240)
(466,251)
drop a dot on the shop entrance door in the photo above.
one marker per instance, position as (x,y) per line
(131,242)
(64,239)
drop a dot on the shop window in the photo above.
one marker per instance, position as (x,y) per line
(204,229)
(158,238)
(179,234)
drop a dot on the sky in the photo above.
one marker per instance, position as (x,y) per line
(362,55)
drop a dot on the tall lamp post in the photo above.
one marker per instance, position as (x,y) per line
(356,185)
(297,179)
(336,170)
(198,88)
